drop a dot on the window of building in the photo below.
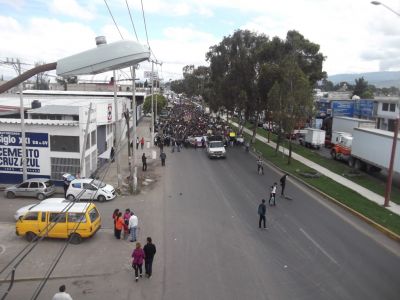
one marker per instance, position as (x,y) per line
(385,106)
(61,165)
(31,216)
(57,217)
(64,143)
(75,118)
(392,107)
(88,143)
(93,138)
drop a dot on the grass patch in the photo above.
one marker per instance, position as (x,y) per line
(330,187)
(373,184)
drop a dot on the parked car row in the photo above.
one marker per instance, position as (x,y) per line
(83,189)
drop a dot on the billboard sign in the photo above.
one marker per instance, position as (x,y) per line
(343,108)
(364,109)
(37,152)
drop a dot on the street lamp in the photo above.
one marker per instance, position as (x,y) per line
(105,57)
(388,188)
(384,5)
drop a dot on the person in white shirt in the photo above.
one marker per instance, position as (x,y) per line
(273,194)
(62,295)
(133,223)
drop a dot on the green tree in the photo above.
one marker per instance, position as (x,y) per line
(362,89)
(161,103)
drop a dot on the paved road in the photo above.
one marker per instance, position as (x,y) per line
(202,214)
(214,249)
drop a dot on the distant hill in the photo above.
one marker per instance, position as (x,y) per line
(379,79)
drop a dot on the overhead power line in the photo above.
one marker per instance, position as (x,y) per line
(105,1)
(130,15)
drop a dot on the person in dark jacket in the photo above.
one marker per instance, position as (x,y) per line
(283,183)
(163,156)
(149,252)
(262,209)
(144,161)
(112,154)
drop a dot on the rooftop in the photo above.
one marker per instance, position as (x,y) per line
(56,110)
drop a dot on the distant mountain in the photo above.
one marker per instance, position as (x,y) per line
(379,79)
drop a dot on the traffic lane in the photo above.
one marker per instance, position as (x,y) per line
(208,251)
(308,225)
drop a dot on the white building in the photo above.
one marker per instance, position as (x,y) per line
(55,133)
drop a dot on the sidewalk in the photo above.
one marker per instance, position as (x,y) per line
(378,199)
(142,130)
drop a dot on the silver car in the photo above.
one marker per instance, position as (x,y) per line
(35,187)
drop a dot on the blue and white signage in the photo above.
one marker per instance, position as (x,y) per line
(37,152)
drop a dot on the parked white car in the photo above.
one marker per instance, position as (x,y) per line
(90,189)
(23,210)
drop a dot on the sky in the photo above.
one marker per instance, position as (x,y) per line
(354,35)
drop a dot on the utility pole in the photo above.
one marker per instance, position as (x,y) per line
(17,67)
(117,133)
(85,140)
(133,168)
(152,104)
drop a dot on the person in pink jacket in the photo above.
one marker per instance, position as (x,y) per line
(137,262)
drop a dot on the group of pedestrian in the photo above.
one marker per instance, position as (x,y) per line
(126,223)
(139,142)
(262,208)
(146,255)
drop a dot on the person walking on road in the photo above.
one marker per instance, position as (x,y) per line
(262,209)
(149,252)
(62,294)
(273,195)
(126,217)
(163,156)
(132,225)
(137,262)
(260,168)
(112,154)
(142,143)
(137,143)
(283,184)
(144,161)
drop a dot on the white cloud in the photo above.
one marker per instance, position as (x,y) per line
(71,8)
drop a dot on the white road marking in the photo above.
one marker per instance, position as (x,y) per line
(318,246)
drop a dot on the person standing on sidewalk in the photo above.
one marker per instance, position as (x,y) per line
(144,161)
(149,252)
(262,210)
(119,225)
(137,262)
(137,143)
(142,143)
(115,217)
(163,156)
(283,184)
(132,225)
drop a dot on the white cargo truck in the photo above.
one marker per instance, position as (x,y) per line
(313,138)
(371,150)
(347,124)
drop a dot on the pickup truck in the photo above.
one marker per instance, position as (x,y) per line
(216,149)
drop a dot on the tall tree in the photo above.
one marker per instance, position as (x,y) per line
(362,89)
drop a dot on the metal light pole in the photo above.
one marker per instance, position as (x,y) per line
(384,5)
(388,188)
(116,133)
(133,157)
(23,139)
(152,105)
